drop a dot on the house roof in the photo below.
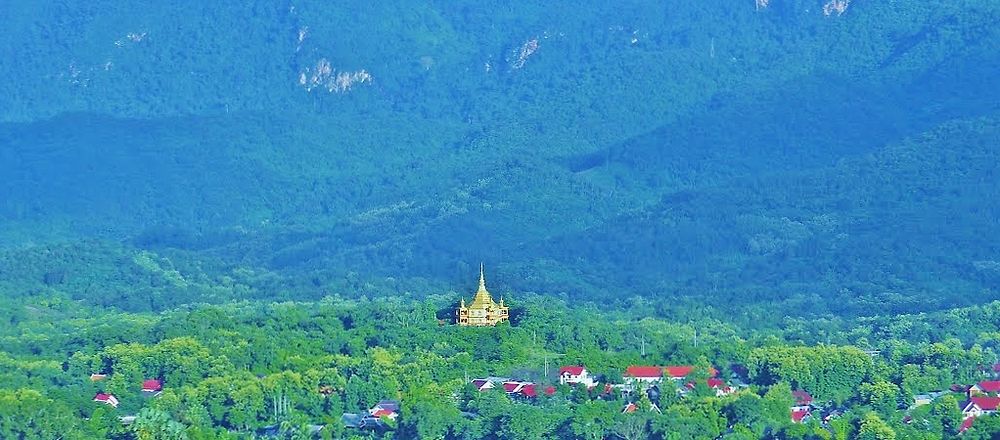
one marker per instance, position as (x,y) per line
(799,414)
(106,399)
(529,390)
(679,371)
(966,424)
(984,403)
(643,371)
(390,405)
(989,386)
(629,408)
(574,370)
(802,397)
(152,385)
(712,382)
(382,413)
(481,384)
(513,387)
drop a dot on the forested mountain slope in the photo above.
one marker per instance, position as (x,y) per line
(672,150)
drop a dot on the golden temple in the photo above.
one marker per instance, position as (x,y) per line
(483,311)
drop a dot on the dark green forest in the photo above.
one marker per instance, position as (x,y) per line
(273,208)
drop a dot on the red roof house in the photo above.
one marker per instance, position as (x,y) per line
(106,399)
(576,374)
(385,408)
(513,387)
(798,415)
(966,424)
(719,385)
(979,405)
(482,384)
(529,391)
(152,385)
(643,373)
(678,371)
(985,387)
(383,413)
(682,371)
(802,398)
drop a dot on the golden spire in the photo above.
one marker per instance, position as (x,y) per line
(482,277)
(482,297)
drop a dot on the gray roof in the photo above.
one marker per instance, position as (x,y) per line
(391,405)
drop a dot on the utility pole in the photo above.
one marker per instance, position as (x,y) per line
(642,344)
(545,358)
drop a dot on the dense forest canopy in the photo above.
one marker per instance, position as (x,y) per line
(250,202)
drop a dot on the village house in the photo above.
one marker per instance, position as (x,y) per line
(802,399)
(677,372)
(575,375)
(926,398)
(483,311)
(800,415)
(531,392)
(802,409)
(97,377)
(490,382)
(374,418)
(385,408)
(482,384)
(636,374)
(513,388)
(715,384)
(984,388)
(980,405)
(680,372)
(106,399)
(966,424)
(632,407)
(645,375)
(151,387)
